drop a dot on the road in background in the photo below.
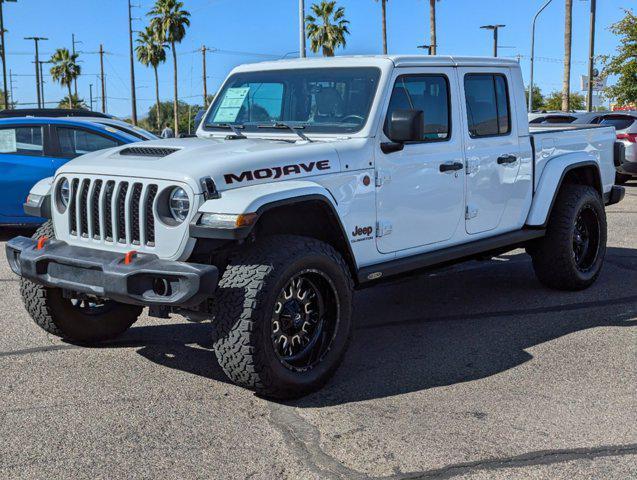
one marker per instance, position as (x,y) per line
(472,372)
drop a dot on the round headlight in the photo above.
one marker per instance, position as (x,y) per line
(65,193)
(179,204)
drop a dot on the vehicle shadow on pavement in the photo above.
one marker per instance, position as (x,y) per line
(461,324)
(7,233)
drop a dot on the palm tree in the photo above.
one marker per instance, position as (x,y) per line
(65,70)
(169,21)
(568,35)
(73,102)
(327,28)
(151,53)
(384,7)
(432,26)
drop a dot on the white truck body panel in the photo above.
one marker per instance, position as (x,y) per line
(409,205)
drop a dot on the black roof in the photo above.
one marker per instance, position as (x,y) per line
(51,112)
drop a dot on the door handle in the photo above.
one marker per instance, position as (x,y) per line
(507,159)
(451,167)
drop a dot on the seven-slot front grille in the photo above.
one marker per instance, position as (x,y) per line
(113,211)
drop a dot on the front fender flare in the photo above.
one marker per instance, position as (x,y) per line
(257,199)
(551,182)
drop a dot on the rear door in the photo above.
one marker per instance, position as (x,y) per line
(492,150)
(24,160)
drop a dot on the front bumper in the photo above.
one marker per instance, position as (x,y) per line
(146,280)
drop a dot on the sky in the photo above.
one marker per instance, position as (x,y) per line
(247,31)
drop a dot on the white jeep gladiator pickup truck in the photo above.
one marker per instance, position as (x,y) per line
(309,179)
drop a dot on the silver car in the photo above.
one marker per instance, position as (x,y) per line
(625,124)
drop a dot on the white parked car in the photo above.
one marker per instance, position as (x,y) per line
(309,179)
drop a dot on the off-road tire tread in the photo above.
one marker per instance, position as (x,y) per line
(552,256)
(34,296)
(238,303)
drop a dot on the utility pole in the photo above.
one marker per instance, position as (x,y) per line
(591,57)
(74,42)
(11,86)
(495,29)
(568,40)
(205,77)
(302,28)
(36,40)
(102,78)
(4,57)
(132,65)
(90,89)
(429,48)
(42,84)
(530,108)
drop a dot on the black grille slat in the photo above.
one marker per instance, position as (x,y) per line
(73,206)
(83,208)
(134,213)
(95,209)
(149,216)
(121,212)
(148,151)
(108,211)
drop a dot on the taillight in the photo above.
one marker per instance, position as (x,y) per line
(631,137)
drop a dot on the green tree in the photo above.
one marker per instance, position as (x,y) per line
(554,101)
(326,29)
(169,22)
(384,8)
(65,69)
(538,98)
(624,63)
(72,102)
(150,53)
(186,115)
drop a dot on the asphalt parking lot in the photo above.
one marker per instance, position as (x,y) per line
(472,372)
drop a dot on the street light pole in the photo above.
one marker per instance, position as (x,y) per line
(36,40)
(132,65)
(495,29)
(530,108)
(591,57)
(302,28)
(4,57)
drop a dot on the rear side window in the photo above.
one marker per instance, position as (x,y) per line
(620,122)
(559,119)
(22,140)
(75,142)
(429,93)
(488,111)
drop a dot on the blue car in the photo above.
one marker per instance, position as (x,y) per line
(33,148)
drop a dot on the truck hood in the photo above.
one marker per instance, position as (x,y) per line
(230,163)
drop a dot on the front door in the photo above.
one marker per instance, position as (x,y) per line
(420,189)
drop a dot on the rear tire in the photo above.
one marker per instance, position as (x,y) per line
(283,316)
(571,255)
(75,320)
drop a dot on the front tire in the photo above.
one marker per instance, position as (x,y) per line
(571,255)
(74,319)
(283,316)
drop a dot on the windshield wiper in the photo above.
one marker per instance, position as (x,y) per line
(294,128)
(230,126)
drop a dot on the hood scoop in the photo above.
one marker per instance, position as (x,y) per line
(157,152)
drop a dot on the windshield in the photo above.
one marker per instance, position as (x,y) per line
(331,100)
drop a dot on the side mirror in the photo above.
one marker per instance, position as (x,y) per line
(406,126)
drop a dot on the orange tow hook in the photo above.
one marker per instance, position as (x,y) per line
(41,242)
(129,257)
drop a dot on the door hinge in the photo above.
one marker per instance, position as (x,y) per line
(383,229)
(382,177)
(470,212)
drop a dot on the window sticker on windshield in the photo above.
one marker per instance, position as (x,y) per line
(231,105)
(8,143)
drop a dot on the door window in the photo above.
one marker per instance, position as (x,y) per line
(75,142)
(488,111)
(429,93)
(22,140)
